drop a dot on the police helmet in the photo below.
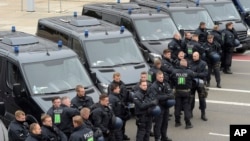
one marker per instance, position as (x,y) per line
(214,56)
(116,122)
(236,42)
(155,111)
(101,138)
(170,103)
(198,82)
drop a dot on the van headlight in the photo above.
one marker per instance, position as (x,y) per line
(103,87)
(248,32)
(154,56)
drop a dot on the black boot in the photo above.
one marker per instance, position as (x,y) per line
(188,125)
(203,116)
(208,84)
(227,71)
(218,85)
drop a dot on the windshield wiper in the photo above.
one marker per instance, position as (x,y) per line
(60,92)
(129,63)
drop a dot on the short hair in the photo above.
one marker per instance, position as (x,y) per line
(202,23)
(143,72)
(141,81)
(195,35)
(183,62)
(78,120)
(19,113)
(103,96)
(44,117)
(64,98)
(228,24)
(216,27)
(78,87)
(157,62)
(33,126)
(113,86)
(210,36)
(187,33)
(84,110)
(159,73)
(166,51)
(55,98)
(116,74)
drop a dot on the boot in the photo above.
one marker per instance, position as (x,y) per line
(227,71)
(188,125)
(177,124)
(203,116)
(218,85)
(208,84)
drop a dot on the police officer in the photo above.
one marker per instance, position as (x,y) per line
(101,116)
(81,99)
(35,133)
(80,133)
(143,77)
(230,37)
(118,106)
(213,53)
(85,113)
(200,67)
(161,90)
(182,80)
(143,102)
(175,45)
(185,40)
(217,34)
(193,46)
(62,115)
(167,62)
(202,32)
(51,132)
(18,128)
(154,69)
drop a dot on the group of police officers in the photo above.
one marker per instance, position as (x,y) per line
(185,67)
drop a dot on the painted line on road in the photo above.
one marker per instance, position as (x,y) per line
(230,90)
(239,60)
(241,73)
(216,134)
(226,102)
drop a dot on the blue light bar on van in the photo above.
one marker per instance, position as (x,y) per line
(16,49)
(75,14)
(60,43)
(13,29)
(122,29)
(197,2)
(130,11)
(86,33)
(118,1)
(168,4)
(158,9)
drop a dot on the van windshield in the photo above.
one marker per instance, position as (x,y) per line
(56,75)
(245,4)
(190,20)
(155,28)
(222,11)
(111,52)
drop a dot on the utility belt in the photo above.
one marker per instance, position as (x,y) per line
(183,90)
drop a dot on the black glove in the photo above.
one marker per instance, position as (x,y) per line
(155,102)
(98,133)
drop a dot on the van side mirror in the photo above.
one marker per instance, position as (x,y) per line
(182,32)
(94,78)
(2,109)
(17,90)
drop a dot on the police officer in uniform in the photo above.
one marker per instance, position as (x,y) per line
(200,67)
(101,116)
(62,115)
(162,91)
(143,77)
(182,80)
(167,62)
(193,46)
(18,128)
(185,40)
(143,102)
(35,133)
(51,132)
(175,45)
(81,99)
(213,53)
(154,69)
(230,37)
(80,133)
(202,32)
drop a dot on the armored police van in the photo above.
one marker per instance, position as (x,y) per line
(102,47)
(224,11)
(34,70)
(186,16)
(243,6)
(152,29)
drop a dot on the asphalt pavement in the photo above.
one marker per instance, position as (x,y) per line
(225,106)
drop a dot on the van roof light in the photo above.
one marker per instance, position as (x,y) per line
(158,9)
(122,29)
(129,11)
(13,29)
(75,14)
(86,33)
(59,43)
(118,1)
(198,2)
(168,4)
(16,49)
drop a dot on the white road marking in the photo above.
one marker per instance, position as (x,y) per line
(230,90)
(216,134)
(226,102)
(241,73)
(241,60)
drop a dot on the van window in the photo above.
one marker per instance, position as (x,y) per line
(76,46)
(13,75)
(92,13)
(111,18)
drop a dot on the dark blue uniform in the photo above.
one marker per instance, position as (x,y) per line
(193,46)
(163,92)
(81,102)
(18,131)
(143,102)
(53,134)
(202,33)
(33,137)
(82,133)
(97,131)
(175,47)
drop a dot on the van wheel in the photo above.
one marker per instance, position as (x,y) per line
(241,50)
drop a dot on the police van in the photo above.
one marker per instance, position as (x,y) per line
(224,11)
(33,70)
(152,29)
(186,16)
(102,47)
(243,6)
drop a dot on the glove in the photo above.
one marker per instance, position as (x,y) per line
(98,132)
(154,102)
